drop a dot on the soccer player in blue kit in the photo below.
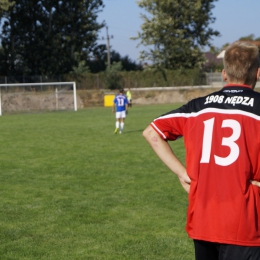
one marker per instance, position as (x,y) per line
(120,107)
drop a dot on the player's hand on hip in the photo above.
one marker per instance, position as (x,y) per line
(256,183)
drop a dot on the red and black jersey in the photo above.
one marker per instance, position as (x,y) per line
(222,139)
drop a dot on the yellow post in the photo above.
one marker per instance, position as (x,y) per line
(109,100)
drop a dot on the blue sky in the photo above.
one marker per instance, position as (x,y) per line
(234,19)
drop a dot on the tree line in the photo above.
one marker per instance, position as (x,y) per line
(53,37)
(58,37)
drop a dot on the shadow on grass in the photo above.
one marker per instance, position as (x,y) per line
(133,131)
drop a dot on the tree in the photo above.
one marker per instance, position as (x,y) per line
(225,46)
(215,50)
(113,76)
(100,60)
(178,30)
(5,5)
(127,63)
(42,37)
(250,37)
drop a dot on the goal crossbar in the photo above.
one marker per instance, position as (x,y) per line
(40,84)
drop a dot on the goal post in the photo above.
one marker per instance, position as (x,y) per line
(38,96)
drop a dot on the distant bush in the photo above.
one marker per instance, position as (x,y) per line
(114,78)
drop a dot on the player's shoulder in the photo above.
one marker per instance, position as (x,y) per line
(241,98)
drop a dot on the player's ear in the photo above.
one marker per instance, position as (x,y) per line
(258,74)
(224,75)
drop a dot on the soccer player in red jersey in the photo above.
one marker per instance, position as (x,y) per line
(222,140)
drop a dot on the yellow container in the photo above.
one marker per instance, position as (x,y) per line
(109,100)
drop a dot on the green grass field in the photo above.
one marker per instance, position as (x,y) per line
(72,189)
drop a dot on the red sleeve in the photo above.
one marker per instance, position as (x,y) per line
(169,128)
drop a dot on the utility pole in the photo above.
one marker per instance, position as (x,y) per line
(108,49)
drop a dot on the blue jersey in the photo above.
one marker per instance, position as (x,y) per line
(120,101)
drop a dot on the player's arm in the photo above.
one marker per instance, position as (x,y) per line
(256,183)
(165,153)
(113,108)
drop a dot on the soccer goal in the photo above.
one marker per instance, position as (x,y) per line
(48,96)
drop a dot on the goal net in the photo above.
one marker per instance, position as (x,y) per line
(30,97)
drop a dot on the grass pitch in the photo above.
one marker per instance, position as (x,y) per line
(71,189)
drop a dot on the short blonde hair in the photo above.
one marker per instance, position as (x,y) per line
(241,62)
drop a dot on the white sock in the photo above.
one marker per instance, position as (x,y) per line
(122,126)
(117,124)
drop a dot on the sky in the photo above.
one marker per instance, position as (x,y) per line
(234,19)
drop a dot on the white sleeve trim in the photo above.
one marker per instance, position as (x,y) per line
(159,131)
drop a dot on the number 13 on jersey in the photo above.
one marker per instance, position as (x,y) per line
(226,141)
